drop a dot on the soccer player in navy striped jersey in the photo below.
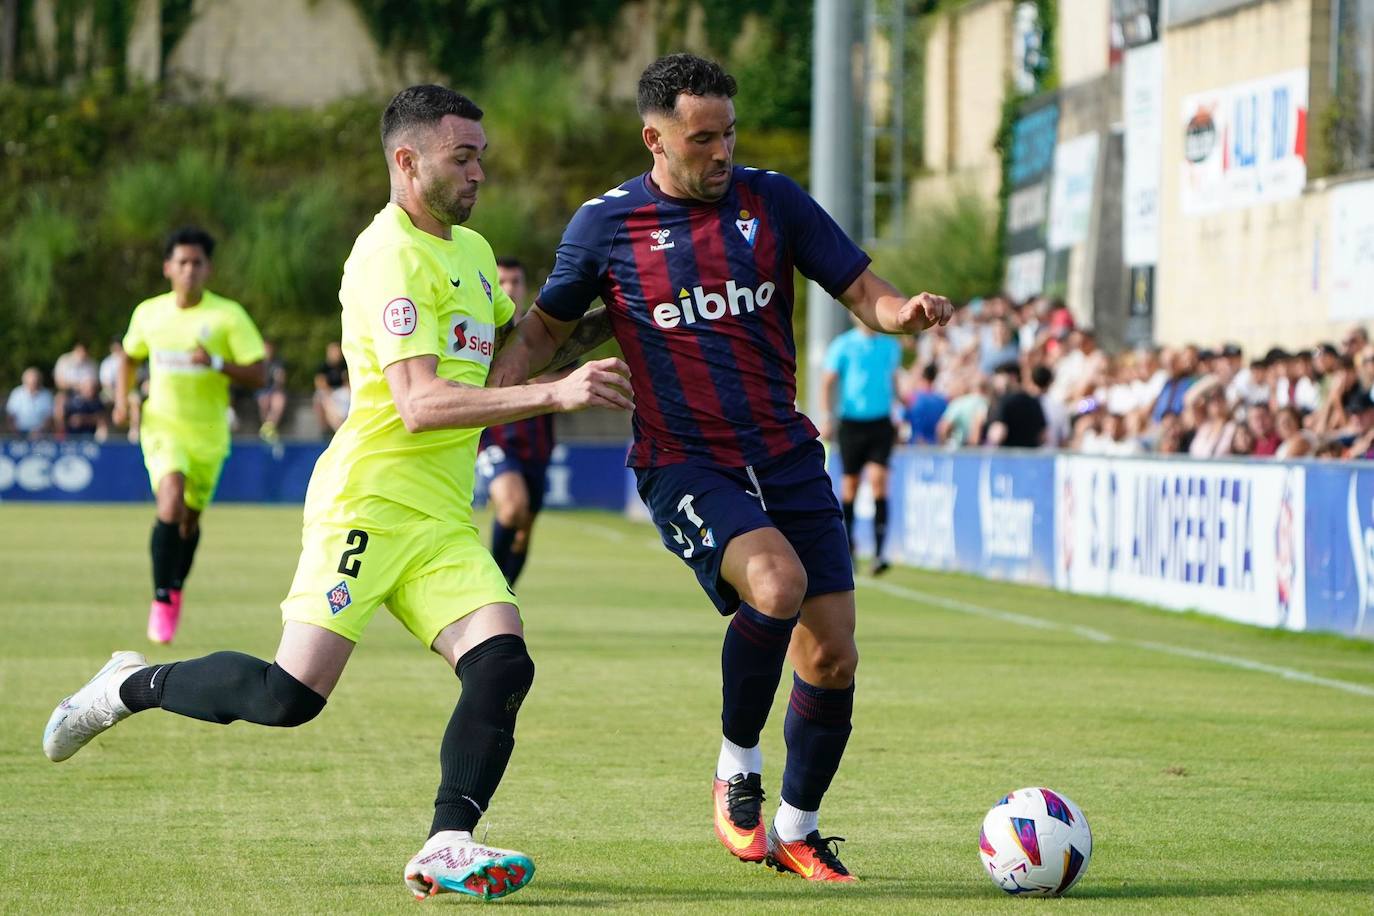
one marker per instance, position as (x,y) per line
(694,260)
(513,458)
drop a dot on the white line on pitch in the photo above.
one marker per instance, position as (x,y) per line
(1040,623)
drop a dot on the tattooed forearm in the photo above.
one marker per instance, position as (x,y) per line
(593,330)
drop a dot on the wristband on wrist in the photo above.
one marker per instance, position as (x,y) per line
(217,362)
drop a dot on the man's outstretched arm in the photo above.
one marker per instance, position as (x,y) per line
(540,343)
(878,304)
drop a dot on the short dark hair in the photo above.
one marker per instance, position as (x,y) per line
(189,235)
(1042,376)
(930,373)
(668,77)
(426,106)
(1009,368)
(512,264)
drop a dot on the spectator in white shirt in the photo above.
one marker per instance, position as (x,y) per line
(30,406)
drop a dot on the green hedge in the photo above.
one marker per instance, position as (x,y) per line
(91,181)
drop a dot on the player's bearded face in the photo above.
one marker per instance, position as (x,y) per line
(699,145)
(450,169)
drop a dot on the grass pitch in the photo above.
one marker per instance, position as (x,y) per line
(1213,779)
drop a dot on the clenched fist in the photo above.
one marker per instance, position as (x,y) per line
(599,383)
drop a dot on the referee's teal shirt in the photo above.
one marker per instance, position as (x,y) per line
(865,364)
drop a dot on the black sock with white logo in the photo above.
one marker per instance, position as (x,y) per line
(480,737)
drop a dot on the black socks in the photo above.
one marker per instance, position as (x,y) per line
(223,688)
(165,547)
(480,736)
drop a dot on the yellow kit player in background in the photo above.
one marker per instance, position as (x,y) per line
(388,514)
(196,343)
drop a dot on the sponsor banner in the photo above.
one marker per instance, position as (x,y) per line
(1225,538)
(1142,90)
(992,515)
(1033,138)
(580,476)
(1352,251)
(1340,550)
(1071,194)
(1244,144)
(1025,276)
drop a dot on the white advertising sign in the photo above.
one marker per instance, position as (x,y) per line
(1352,251)
(1071,195)
(1244,144)
(1142,90)
(1223,538)
(1025,274)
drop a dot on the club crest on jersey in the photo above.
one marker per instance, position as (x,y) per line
(486,284)
(748,227)
(660,237)
(338,598)
(471,339)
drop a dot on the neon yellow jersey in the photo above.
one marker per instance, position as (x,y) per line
(406,293)
(182,396)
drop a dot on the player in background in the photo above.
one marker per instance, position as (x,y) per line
(388,512)
(694,261)
(866,366)
(195,343)
(514,457)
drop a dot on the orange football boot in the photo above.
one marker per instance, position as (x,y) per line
(813,858)
(739,816)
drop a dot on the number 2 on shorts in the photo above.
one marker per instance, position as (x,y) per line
(351,562)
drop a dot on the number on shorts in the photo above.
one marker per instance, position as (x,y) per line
(682,539)
(351,563)
(685,507)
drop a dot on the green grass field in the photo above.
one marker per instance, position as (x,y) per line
(1216,778)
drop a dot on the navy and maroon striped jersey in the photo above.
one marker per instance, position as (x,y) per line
(530,440)
(700,298)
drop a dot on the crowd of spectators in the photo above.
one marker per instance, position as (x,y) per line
(78,405)
(1026,376)
(999,375)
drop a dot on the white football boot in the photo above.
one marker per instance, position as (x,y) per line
(92,709)
(452,861)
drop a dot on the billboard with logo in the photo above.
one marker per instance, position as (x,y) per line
(1031,164)
(1244,144)
(1340,550)
(992,515)
(1221,537)
(1142,98)
(580,476)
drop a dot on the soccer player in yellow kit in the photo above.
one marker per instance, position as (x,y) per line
(388,512)
(196,343)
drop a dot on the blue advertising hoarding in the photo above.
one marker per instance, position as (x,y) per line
(1340,549)
(989,514)
(580,476)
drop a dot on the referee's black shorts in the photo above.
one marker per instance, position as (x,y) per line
(865,441)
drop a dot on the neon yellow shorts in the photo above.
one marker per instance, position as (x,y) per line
(169,452)
(429,573)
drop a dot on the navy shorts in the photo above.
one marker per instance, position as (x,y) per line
(493,461)
(699,508)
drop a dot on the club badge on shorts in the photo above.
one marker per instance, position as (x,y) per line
(338,598)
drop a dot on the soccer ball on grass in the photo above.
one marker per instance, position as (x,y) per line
(1035,842)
